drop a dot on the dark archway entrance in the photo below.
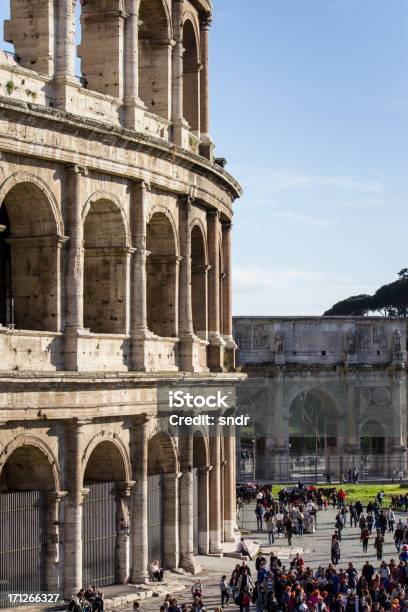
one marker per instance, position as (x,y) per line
(25,483)
(313,437)
(101,515)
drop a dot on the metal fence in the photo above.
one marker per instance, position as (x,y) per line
(99,535)
(312,468)
(155,517)
(23,541)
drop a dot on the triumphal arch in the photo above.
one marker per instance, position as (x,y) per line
(327,396)
(115,283)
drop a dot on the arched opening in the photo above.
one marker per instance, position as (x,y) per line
(105,269)
(162,277)
(26,483)
(199,283)
(313,436)
(154,57)
(373,449)
(200,495)
(162,490)
(102,515)
(191,78)
(30,260)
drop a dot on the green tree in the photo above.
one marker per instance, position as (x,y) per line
(356,305)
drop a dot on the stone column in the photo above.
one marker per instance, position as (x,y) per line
(227,297)
(171,520)
(123,526)
(206,146)
(229,485)
(139,572)
(134,107)
(216,348)
(73,509)
(177,72)
(203,510)
(53,565)
(65,52)
(187,560)
(215,486)
(138,222)
(186,333)
(74,284)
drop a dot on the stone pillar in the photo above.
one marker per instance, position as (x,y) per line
(227,297)
(352,446)
(171,520)
(74,284)
(65,83)
(134,107)
(123,528)
(73,509)
(229,485)
(186,334)
(187,560)
(138,223)
(215,486)
(206,145)
(216,348)
(203,510)
(53,561)
(177,72)
(139,572)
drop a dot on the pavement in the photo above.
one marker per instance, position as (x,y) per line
(315,549)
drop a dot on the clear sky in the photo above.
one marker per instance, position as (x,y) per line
(310,107)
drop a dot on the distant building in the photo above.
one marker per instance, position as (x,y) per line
(326,394)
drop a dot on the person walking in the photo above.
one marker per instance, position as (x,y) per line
(390,519)
(379,545)
(270,527)
(364,537)
(335,551)
(225,590)
(259,511)
(289,530)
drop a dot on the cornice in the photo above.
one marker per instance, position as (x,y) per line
(121,137)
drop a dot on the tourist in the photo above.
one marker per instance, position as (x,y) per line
(364,537)
(378,545)
(335,551)
(259,512)
(270,526)
(225,591)
(156,570)
(390,519)
(289,530)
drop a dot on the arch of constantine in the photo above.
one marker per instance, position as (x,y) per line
(115,282)
(326,395)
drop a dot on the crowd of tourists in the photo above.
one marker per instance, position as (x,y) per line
(297,588)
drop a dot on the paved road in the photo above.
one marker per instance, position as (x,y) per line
(314,548)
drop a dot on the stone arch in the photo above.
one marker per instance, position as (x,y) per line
(21,178)
(31,455)
(162,453)
(159,208)
(31,233)
(154,56)
(372,437)
(315,446)
(162,275)
(191,75)
(110,447)
(115,201)
(106,241)
(201,448)
(199,281)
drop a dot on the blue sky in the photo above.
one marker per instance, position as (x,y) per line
(310,107)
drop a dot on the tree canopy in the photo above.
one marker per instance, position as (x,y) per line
(390,300)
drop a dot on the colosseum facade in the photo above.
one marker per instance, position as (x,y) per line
(115,285)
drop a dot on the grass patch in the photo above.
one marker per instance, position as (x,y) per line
(362,492)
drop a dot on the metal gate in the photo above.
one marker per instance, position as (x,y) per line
(195,511)
(99,535)
(155,517)
(23,541)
